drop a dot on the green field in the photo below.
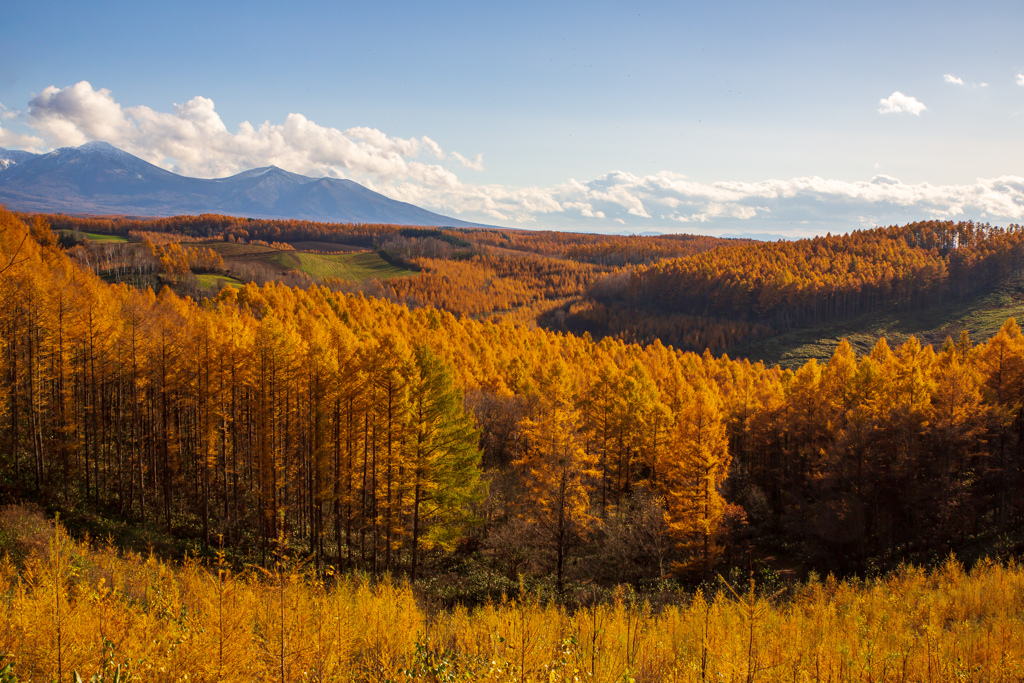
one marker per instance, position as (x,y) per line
(233,250)
(357,267)
(94,236)
(325,246)
(215,282)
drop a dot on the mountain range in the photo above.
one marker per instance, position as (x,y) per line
(98,178)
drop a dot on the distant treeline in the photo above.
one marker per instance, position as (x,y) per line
(786,284)
(234,228)
(605,250)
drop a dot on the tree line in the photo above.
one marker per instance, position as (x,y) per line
(787,284)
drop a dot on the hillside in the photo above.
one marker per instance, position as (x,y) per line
(980,315)
(513,274)
(367,435)
(760,299)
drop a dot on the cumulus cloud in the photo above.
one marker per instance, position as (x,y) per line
(8,114)
(29,143)
(953,80)
(474,164)
(9,138)
(898,103)
(192,139)
(1020,79)
(797,206)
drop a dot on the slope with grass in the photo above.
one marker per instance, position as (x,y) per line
(213,281)
(91,236)
(358,266)
(72,610)
(354,267)
(980,316)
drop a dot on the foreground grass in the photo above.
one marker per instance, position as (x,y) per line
(69,607)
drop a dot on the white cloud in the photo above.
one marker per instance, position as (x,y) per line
(192,139)
(809,204)
(8,114)
(898,103)
(474,164)
(29,143)
(1020,79)
(953,80)
(9,138)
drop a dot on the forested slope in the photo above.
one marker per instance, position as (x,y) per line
(722,298)
(517,275)
(370,434)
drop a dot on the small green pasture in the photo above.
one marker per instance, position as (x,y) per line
(357,267)
(216,282)
(233,249)
(93,236)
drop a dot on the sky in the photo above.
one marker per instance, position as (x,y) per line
(782,118)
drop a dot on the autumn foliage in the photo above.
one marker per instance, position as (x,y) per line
(316,434)
(273,410)
(827,278)
(74,608)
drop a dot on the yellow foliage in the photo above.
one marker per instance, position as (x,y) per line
(71,607)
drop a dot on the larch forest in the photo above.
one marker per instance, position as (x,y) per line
(238,450)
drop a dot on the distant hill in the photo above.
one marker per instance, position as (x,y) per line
(98,178)
(777,300)
(759,236)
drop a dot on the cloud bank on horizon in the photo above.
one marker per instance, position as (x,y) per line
(192,139)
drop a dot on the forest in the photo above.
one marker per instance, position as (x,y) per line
(717,297)
(349,451)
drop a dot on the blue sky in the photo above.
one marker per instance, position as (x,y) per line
(788,118)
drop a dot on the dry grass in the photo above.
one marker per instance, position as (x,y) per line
(70,607)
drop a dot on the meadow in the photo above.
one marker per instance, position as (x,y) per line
(94,236)
(78,607)
(355,267)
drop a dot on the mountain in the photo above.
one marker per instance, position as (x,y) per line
(98,178)
(9,157)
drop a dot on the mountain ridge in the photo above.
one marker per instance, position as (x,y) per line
(98,178)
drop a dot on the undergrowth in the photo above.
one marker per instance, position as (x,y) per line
(76,610)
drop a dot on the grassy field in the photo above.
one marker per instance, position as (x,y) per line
(215,282)
(94,236)
(325,246)
(354,267)
(232,250)
(76,611)
(981,316)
